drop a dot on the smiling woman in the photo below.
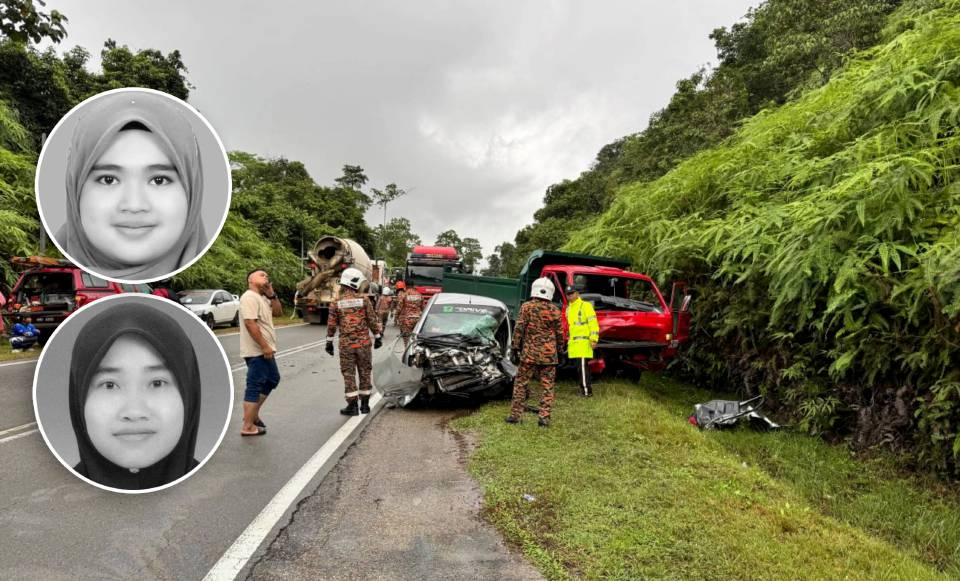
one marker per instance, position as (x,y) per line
(135,393)
(135,185)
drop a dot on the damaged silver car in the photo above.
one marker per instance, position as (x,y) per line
(459,348)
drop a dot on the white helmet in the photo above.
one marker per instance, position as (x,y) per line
(542,288)
(387,291)
(352,278)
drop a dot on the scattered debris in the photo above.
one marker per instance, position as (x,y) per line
(722,413)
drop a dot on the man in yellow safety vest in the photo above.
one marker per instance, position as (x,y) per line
(584,335)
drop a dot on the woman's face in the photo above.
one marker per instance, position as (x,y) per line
(133,206)
(133,412)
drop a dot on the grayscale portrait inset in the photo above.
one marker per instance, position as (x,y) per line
(133,185)
(133,393)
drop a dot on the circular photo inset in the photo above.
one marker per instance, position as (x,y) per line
(133,185)
(133,393)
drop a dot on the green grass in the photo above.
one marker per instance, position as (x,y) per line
(626,489)
(7,354)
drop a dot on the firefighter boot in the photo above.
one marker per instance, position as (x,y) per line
(351,409)
(364,404)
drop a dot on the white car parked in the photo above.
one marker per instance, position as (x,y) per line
(215,307)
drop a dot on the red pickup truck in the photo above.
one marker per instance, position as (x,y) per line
(51,289)
(639,329)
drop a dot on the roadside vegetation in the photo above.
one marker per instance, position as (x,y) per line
(623,487)
(822,239)
(816,218)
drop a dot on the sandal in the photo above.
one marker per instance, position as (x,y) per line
(260,424)
(260,431)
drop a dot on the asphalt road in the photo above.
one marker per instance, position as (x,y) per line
(54,526)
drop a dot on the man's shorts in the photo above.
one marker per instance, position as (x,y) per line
(262,377)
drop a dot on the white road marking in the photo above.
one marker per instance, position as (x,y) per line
(235,558)
(234,369)
(18,436)
(18,362)
(277,328)
(281,354)
(18,428)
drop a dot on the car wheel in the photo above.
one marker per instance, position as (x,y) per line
(236,320)
(208,319)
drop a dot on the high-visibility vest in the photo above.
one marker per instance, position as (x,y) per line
(583,326)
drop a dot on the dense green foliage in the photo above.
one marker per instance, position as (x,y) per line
(823,240)
(779,49)
(276,210)
(21,21)
(19,223)
(42,86)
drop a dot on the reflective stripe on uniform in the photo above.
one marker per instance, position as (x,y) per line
(352,393)
(365,391)
(350,303)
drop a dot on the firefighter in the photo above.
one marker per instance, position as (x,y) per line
(584,335)
(385,306)
(537,340)
(354,316)
(409,306)
(401,288)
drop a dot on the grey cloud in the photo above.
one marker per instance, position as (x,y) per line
(477,106)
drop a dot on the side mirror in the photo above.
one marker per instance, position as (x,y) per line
(685,306)
(217,301)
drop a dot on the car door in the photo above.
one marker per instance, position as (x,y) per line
(221,310)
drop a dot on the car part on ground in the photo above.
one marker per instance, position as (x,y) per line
(722,413)
(459,348)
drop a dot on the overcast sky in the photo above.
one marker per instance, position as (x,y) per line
(472,107)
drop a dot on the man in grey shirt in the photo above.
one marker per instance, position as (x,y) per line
(258,346)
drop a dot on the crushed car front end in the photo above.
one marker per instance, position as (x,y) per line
(460,347)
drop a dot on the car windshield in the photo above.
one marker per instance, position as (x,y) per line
(637,292)
(462,321)
(194,297)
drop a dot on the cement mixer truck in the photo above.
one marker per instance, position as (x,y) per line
(329,257)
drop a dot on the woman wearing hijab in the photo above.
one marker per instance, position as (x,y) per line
(134,187)
(134,398)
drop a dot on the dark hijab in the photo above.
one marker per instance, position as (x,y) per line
(172,344)
(95,132)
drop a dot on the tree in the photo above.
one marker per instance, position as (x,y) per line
(280,198)
(471,252)
(500,263)
(144,68)
(450,238)
(353,177)
(42,86)
(21,22)
(494,266)
(382,198)
(397,239)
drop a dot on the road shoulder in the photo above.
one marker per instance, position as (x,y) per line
(399,505)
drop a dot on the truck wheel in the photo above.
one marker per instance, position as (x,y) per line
(324,313)
(236,320)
